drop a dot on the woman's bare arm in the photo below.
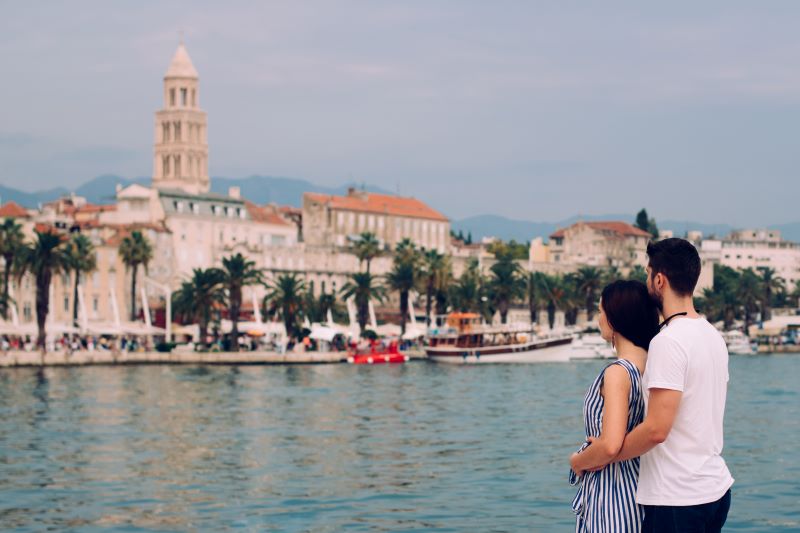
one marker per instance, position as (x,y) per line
(615,391)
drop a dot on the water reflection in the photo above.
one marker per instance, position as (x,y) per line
(325,448)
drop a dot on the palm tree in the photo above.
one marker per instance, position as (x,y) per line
(588,281)
(505,285)
(286,295)
(796,293)
(403,277)
(135,250)
(536,293)
(197,297)
(748,294)
(467,293)
(638,273)
(237,272)
(367,248)
(719,305)
(44,258)
(364,287)
(81,259)
(435,268)
(770,286)
(12,242)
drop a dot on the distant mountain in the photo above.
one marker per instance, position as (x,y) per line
(524,230)
(283,191)
(257,189)
(289,191)
(30,199)
(103,189)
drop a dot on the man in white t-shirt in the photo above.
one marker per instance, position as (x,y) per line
(684,484)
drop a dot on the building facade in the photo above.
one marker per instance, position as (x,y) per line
(602,244)
(330,220)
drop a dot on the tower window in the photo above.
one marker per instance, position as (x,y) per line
(177,130)
(183,96)
(165,165)
(178,166)
(165,132)
(172,97)
(194,101)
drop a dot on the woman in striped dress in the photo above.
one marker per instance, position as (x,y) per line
(613,406)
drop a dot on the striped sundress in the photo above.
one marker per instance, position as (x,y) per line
(606,499)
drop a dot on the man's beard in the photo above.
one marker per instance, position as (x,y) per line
(657,299)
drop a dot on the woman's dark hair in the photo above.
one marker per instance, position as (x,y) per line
(631,311)
(678,260)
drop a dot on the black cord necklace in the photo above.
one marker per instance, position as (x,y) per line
(666,320)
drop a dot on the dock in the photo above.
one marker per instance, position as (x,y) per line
(87,358)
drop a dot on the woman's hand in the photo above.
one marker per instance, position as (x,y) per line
(573,464)
(599,467)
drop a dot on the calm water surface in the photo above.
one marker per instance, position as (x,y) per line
(331,448)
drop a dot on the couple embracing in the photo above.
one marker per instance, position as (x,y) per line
(653,418)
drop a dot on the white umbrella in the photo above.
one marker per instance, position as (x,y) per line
(323,333)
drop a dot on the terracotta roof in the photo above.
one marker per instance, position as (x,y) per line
(613,226)
(13,210)
(96,208)
(123,231)
(266,214)
(384,204)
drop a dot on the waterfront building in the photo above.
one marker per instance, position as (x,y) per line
(755,248)
(330,220)
(601,244)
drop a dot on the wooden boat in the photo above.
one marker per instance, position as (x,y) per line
(466,340)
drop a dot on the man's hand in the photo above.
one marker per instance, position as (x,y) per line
(572,459)
(592,440)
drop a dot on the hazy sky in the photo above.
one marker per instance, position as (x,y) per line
(533,110)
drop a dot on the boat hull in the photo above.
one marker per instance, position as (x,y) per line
(554,351)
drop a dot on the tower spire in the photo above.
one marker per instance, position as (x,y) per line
(181,149)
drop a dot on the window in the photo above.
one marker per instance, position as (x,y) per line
(176,126)
(95,304)
(172,97)
(165,165)
(177,166)
(278,240)
(26,311)
(178,205)
(165,131)
(215,211)
(194,101)
(183,96)
(66,303)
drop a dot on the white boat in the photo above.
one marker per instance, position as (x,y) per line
(465,340)
(738,343)
(591,346)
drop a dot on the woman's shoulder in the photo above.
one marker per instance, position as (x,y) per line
(617,375)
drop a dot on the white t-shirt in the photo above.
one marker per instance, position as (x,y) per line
(688,355)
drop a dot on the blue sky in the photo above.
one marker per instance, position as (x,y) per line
(532,110)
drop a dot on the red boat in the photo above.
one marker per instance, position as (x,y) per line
(377,354)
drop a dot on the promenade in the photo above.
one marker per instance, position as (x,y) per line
(87,358)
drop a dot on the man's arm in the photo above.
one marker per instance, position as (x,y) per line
(661,411)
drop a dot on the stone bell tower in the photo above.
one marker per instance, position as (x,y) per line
(181,147)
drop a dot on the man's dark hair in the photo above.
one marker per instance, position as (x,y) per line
(678,260)
(631,311)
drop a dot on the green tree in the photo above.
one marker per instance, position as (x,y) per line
(588,283)
(366,248)
(434,270)
(135,251)
(237,273)
(363,287)
(505,284)
(80,260)
(403,278)
(644,223)
(771,285)
(285,294)
(748,294)
(468,293)
(44,258)
(12,243)
(197,297)
(638,273)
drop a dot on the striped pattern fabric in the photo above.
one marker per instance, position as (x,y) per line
(606,499)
